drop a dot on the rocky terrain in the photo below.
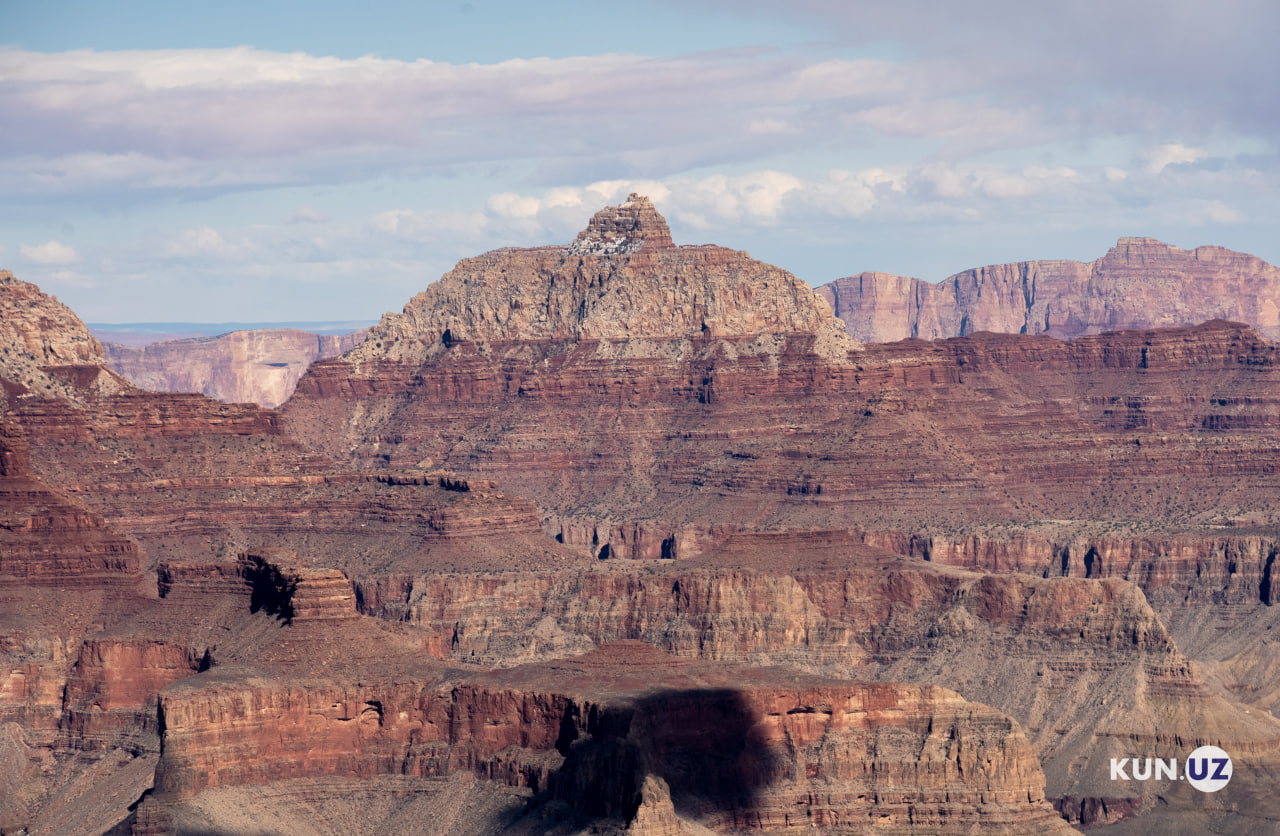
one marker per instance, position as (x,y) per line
(1140,283)
(260,366)
(630,537)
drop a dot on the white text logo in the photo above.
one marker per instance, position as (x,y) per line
(1208,769)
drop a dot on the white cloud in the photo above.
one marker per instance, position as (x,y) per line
(1220,213)
(235,118)
(431,227)
(769,126)
(769,199)
(756,198)
(206,243)
(509,205)
(1174,153)
(850,194)
(50,252)
(307,215)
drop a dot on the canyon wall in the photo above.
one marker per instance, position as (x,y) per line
(549,552)
(1140,283)
(261,366)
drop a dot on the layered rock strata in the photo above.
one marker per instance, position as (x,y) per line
(986,434)
(261,366)
(1140,283)
(1081,663)
(627,738)
(770,465)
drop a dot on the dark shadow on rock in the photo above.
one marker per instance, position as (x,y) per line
(706,745)
(270,589)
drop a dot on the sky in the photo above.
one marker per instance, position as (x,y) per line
(289,161)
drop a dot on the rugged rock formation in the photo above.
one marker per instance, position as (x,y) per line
(1081,662)
(1062,531)
(1140,283)
(628,228)
(1120,455)
(625,737)
(987,434)
(622,285)
(45,350)
(261,367)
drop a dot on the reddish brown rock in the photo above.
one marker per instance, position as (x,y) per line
(1081,662)
(764,462)
(261,366)
(45,538)
(623,729)
(1140,283)
(998,434)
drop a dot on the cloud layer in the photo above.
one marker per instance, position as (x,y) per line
(902,130)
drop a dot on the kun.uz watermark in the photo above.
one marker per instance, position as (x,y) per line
(1208,769)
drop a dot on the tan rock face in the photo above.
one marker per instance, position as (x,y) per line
(623,284)
(261,367)
(45,350)
(1140,283)
(1081,662)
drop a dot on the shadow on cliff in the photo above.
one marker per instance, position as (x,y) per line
(706,745)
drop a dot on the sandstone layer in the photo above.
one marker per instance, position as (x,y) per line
(1140,283)
(996,435)
(261,366)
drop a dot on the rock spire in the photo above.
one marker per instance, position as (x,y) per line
(626,228)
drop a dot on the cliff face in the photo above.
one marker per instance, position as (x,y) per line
(1128,459)
(987,434)
(261,367)
(1080,662)
(624,738)
(1140,283)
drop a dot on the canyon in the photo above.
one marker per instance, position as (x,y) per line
(630,537)
(261,366)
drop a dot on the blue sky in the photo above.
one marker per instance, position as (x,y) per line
(319,161)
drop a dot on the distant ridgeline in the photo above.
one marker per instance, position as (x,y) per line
(235,362)
(145,333)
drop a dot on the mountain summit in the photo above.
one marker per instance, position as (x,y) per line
(622,229)
(622,283)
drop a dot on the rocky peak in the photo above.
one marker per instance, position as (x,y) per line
(42,341)
(627,228)
(622,284)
